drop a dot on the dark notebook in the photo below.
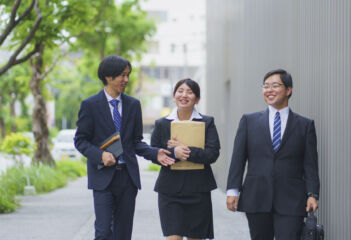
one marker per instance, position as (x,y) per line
(113,145)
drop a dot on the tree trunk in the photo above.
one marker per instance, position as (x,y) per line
(13,114)
(39,117)
(2,122)
(2,127)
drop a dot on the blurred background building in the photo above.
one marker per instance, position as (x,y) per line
(312,41)
(176,51)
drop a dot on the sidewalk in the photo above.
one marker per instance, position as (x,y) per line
(67,214)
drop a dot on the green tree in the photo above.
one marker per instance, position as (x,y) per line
(99,27)
(15,14)
(60,22)
(118,30)
(14,88)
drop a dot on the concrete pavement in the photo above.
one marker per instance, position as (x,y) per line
(67,214)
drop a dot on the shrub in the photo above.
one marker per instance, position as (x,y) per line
(154,167)
(17,145)
(8,201)
(72,169)
(44,178)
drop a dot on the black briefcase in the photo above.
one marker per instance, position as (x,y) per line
(311,230)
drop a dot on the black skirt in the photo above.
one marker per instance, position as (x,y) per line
(186,214)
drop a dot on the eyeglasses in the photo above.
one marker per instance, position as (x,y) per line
(273,86)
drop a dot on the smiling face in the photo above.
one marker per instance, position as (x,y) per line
(275,93)
(116,86)
(185,98)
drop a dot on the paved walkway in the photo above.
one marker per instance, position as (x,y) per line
(67,214)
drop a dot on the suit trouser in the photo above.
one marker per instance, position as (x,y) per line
(114,208)
(266,226)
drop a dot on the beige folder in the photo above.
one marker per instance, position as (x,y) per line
(191,134)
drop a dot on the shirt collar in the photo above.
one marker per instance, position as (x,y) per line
(273,111)
(109,98)
(174,115)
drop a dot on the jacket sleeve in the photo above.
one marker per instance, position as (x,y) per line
(158,140)
(311,161)
(212,145)
(84,135)
(141,148)
(239,157)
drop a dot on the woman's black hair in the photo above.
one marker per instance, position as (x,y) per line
(194,86)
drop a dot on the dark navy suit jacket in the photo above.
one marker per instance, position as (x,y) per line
(187,181)
(279,180)
(95,124)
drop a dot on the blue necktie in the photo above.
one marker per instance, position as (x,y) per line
(276,132)
(117,120)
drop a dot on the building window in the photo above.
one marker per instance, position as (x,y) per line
(154,47)
(173,48)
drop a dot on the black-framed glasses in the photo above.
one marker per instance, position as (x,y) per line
(273,86)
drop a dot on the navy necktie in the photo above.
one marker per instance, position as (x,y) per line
(117,119)
(276,132)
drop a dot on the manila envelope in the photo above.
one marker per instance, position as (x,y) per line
(191,134)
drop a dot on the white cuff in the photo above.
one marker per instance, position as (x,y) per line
(233,192)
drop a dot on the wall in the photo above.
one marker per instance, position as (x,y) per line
(311,40)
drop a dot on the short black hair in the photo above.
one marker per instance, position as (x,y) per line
(194,86)
(284,76)
(112,66)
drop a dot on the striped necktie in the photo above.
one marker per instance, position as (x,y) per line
(116,116)
(117,120)
(276,132)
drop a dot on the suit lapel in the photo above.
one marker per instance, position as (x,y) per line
(290,125)
(125,112)
(264,120)
(105,111)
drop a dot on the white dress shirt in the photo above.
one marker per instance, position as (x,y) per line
(174,115)
(109,98)
(119,109)
(284,114)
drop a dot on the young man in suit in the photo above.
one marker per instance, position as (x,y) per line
(115,182)
(282,181)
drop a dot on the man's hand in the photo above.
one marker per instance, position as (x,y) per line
(312,203)
(182,152)
(108,159)
(232,203)
(163,158)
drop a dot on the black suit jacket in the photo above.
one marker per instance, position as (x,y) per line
(175,181)
(95,124)
(274,180)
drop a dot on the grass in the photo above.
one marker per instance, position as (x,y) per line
(154,167)
(42,177)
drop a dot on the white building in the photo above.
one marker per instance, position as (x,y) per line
(176,51)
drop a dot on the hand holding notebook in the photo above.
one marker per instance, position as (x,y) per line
(113,145)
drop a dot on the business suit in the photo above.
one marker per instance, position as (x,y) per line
(275,181)
(187,192)
(94,125)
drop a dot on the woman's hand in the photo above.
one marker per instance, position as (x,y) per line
(182,152)
(174,143)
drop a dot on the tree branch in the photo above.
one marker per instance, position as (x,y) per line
(13,22)
(13,59)
(27,11)
(52,66)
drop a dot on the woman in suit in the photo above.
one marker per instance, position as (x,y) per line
(184,196)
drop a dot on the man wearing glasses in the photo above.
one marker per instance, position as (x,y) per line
(282,181)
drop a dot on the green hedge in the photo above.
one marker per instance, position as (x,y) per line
(154,167)
(42,177)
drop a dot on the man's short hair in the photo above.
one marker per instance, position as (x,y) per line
(112,66)
(284,76)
